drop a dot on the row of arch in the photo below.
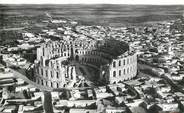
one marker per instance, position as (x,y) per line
(125,71)
(94,60)
(48,73)
(61,49)
(125,61)
(48,83)
(55,75)
(90,52)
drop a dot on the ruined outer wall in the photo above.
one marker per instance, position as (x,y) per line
(120,69)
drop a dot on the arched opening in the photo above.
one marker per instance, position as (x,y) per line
(124,72)
(72,73)
(114,73)
(51,84)
(114,64)
(41,71)
(57,85)
(77,57)
(128,70)
(119,62)
(72,53)
(57,74)
(42,82)
(119,72)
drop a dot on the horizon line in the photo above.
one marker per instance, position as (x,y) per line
(88,4)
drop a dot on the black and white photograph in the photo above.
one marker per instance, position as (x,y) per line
(91,56)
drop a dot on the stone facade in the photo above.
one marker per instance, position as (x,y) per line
(120,69)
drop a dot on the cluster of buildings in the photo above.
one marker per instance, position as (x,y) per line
(160,51)
(96,69)
(17,96)
(14,59)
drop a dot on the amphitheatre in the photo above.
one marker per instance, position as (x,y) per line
(84,62)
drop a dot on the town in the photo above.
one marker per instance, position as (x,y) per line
(66,67)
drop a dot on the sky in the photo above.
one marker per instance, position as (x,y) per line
(145,2)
